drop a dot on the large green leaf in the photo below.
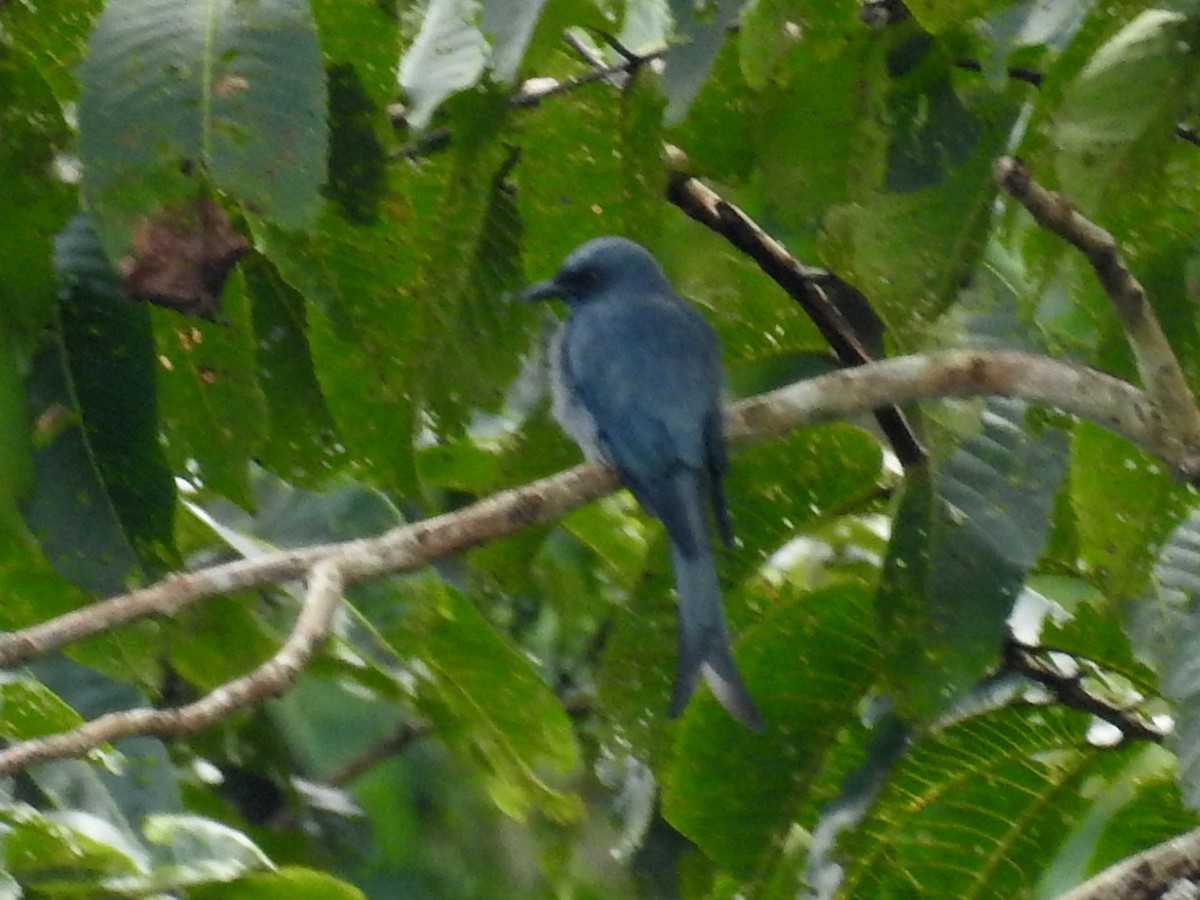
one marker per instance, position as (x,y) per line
(102,498)
(34,203)
(1118,550)
(486,701)
(963,540)
(302,440)
(1137,81)
(110,367)
(29,709)
(232,93)
(213,407)
(1166,632)
(978,808)
(289,881)
(584,171)
(914,222)
(363,34)
(64,854)
(809,662)
(449,54)
(50,38)
(458,41)
(33,206)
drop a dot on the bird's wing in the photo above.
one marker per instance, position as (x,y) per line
(648,371)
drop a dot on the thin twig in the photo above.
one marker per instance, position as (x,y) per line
(1156,361)
(801,283)
(1016,73)
(1187,133)
(1071,690)
(361,763)
(535,90)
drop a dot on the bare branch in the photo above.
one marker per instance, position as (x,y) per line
(1071,690)
(166,598)
(1172,866)
(271,678)
(535,90)
(1040,380)
(401,549)
(801,283)
(1156,362)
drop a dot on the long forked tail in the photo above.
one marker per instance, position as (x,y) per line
(703,636)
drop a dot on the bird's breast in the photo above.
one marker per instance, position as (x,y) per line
(567,407)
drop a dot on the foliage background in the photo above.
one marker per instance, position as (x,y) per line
(369,368)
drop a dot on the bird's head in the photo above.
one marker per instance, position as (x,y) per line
(600,265)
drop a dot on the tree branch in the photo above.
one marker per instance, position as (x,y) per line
(535,90)
(1070,690)
(1151,873)
(402,549)
(271,678)
(801,283)
(1159,369)
(1040,380)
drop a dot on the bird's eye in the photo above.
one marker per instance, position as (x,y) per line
(590,277)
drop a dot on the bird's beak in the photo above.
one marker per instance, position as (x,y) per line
(542,290)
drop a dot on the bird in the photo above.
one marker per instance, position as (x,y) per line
(636,381)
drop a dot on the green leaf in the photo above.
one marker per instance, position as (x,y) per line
(1139,80)
(362,34)
(197,850)
(1166,632)
(213,408)
(289,881)
(1118,549)
(109,354)
(913,225)
(231,92)
(1153,811)
(448,55)
(458,40)
(936,15)
(487,702)
(1014,780)
(508,25)
(30,709)
(363,319)
(64,854)
(51,38)
(72,509)
(301,444)
(575,179)
(16,453)
(963,540)
(34,203)
(809,662)
(702,30)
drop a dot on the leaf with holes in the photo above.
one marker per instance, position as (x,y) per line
(180,94)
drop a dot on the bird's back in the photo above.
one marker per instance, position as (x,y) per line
(649,367)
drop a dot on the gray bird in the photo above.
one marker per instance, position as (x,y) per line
(636,377)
